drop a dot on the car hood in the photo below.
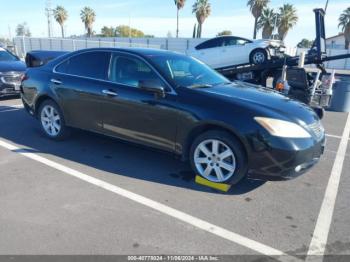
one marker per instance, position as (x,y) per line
(264,101)
(12,66)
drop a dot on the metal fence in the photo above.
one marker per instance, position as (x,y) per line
(25,44)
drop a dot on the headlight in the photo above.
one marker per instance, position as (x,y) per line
(282,128)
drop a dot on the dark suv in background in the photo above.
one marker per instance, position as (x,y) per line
(11,71)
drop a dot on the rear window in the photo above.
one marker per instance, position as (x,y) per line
(91,64)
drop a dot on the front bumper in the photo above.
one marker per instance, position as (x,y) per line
(276,51)
(288,161)
(10,83)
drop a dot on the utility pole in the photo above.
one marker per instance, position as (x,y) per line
(48,12)
(10,34)
(129,26)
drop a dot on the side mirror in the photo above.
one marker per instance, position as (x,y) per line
(153,86)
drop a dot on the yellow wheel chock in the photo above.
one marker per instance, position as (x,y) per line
(218,186)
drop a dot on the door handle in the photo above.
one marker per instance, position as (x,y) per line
(56,82)
(109,92)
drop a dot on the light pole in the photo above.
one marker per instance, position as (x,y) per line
(49,11)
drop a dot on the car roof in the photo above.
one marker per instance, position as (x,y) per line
(133,50)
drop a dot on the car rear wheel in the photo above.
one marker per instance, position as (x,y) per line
(218,157)
(258,57)
(52,121)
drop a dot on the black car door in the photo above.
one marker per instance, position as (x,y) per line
(135,114)
(79,82)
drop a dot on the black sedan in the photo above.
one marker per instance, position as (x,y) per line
(178,104)
(11,72)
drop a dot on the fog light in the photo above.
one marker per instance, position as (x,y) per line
(298,168)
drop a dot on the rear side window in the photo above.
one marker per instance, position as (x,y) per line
(91,64)
(216,42)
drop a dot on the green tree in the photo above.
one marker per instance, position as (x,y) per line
(23,30)
(225,32)
(108,31)
(256,8)
(61,16)
(179,5)
(126,31)
(305,43)
(267,22)
(202,9)
(88,17)
(286,20)
(344,23)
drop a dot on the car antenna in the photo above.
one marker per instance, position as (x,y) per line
(325,9)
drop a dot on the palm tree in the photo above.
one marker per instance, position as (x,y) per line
(344,23)
(202,9)
(88,16)
(267,22)
(179,5)
(287,18)
(61,16)
(257,7)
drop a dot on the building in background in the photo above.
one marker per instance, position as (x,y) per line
(336,42)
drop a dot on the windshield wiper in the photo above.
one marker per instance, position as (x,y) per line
(222,83)
(200,86)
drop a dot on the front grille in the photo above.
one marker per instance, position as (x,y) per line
(317,129)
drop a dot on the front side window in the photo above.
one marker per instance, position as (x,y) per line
(186,71)
(229,41)
(242,41)
(90,64)
(130,71)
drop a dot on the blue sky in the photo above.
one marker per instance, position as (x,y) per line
(158,17)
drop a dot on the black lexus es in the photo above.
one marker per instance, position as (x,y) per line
(175,103)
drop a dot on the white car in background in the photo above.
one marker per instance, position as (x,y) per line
(227,51)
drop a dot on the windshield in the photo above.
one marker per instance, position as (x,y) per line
(187,71)
(6,56)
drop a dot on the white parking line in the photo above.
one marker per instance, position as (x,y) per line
(323,224)
(194,221)
(333,136)
(17,106)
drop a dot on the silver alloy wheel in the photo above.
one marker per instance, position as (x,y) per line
(214,160)
(50,120)
(259,58)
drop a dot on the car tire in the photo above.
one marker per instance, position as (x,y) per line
(258,57)
(52,121)
(218,157)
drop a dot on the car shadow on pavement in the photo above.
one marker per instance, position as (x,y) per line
(9,97)
(108,155)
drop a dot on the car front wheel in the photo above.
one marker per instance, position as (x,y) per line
(52,121)
(258,57)
(218,157)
